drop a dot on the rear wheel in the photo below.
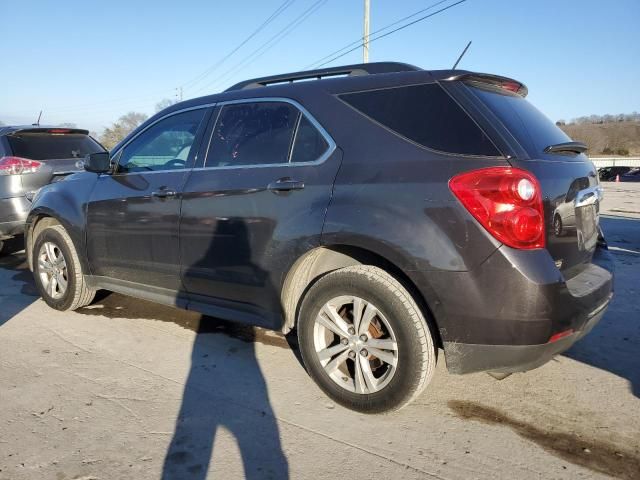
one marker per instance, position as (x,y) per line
(364,340)
(58,272)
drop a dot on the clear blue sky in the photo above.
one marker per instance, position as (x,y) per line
(90,62)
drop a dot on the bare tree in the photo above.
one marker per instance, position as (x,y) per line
(121,128)
(164,103)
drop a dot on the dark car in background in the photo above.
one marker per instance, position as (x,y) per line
(609,174)
(33,156)
(382,210)
(633,175)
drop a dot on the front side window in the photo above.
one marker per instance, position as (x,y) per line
(424,114)
(258,133)
(164,146)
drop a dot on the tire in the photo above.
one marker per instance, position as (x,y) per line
(384,385)
(557,226)
(76,294)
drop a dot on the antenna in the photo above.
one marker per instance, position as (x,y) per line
(461,55)
(37,124)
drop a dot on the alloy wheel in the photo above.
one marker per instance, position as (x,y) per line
(52,268)
(355,344)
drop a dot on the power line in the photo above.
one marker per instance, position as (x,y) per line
(71,109)
(115,101)
(271,18)
(359,41)
(394,31)
(267,46)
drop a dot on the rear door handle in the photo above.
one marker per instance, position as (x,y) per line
(285,185)
(164,193)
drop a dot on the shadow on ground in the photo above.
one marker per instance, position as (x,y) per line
(613,343)
(18,290)
(217,379)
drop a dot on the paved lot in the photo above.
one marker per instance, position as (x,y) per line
(127,389)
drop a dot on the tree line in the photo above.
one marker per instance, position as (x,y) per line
(600,119)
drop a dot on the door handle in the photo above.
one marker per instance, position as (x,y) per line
(164,193)
(285,185)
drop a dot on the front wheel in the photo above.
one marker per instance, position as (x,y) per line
(557,226)
(365,341)
(58,272)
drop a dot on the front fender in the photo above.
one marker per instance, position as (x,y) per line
(66,202)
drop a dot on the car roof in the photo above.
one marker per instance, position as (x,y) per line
(329,81)
(334,80)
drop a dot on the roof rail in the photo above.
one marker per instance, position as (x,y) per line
(347,70)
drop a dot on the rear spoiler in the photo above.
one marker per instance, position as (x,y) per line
(52,131)
(503,83)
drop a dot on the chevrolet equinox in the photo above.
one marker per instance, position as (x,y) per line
(384,211)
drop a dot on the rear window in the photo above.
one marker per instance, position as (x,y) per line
(46,146)
(424,114)
(533,130)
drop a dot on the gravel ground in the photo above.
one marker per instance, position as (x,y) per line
(127,389)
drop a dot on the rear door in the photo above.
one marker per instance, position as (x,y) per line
(254,207)
(569,180)
(133,214)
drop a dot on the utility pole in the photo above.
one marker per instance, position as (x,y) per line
(365,36)
(178,94)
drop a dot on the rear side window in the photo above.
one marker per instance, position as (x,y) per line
(424,114)
(259,133)
(309,144)
(533,130)
(47,146)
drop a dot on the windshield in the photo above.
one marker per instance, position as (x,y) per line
(46,146)
(533,130)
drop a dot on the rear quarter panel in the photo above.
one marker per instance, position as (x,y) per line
(392,197)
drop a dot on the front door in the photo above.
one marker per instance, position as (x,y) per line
(133,214)
(254,207)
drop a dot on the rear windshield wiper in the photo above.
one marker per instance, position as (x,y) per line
(567,147)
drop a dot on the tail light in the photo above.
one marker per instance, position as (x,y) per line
(506,201)
(18,166)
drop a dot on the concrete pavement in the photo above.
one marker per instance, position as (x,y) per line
(127,389)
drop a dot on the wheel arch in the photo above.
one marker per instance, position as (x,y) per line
(38,221)
(321,260)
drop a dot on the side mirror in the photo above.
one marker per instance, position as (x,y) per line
(97,162)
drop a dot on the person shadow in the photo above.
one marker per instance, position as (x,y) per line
(225,388)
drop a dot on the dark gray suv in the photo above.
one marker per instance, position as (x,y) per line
(384,211)
(33,156)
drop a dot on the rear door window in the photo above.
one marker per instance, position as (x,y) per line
(257,133)
(424,114)
(533,130)
(47,146)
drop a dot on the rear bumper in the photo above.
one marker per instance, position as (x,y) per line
(13,213)
(468,358)
(502,315)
